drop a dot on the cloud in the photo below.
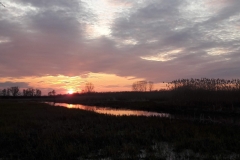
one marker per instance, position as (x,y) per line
(171,27)
(153,40)
(13,84)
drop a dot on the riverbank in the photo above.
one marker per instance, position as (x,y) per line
(33,130)
(220,102)
(208,103)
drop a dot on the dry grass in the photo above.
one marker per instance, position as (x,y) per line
(38,131)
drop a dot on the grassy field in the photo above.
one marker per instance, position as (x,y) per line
(32,130)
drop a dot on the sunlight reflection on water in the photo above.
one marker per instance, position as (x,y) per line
(111,111)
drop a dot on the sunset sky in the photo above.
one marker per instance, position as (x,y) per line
(62,44)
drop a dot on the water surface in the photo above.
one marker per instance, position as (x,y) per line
(111,111)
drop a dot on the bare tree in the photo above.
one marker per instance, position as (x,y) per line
(52,93)
(143,86)
(25,92)
(89,87)
(150,86)
(8,92)
(38,92)
(29,92)
(135,86)
(4,92)
(140,86)
(14,91)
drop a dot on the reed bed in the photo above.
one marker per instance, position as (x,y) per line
(33,130)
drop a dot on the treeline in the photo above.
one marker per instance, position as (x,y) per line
(192,84)
(205,84)
(143,86)
(15,91)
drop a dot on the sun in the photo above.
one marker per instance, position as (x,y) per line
(70,91)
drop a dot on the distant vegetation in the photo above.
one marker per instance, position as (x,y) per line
(205,84)
(217,94)
(188,96)
(52,93)
(31,92)
(183,95)
(89,88)
(15,91)
(142,86)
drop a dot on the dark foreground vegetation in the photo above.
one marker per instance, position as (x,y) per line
(33,130)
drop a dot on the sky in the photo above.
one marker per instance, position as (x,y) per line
(62,44)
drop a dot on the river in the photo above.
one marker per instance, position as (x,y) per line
(205,118)
(111,111)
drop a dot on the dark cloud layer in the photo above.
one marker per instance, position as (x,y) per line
(13,84)
(156,40)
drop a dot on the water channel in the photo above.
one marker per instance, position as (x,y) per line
(111,111)
(205,118)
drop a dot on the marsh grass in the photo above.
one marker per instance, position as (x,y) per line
(219,99)
(33,130)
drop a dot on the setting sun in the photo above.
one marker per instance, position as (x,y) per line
(70,91)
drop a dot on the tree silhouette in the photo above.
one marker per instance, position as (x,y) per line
(28,92)
(89,87)
(8,92)
(139,86)
(142,86)
(150,86)
(38,92)
(52,93)
(32,92)
(4,92)
(14,91)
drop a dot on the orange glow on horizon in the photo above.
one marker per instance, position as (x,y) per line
(69,85)
(70,91)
